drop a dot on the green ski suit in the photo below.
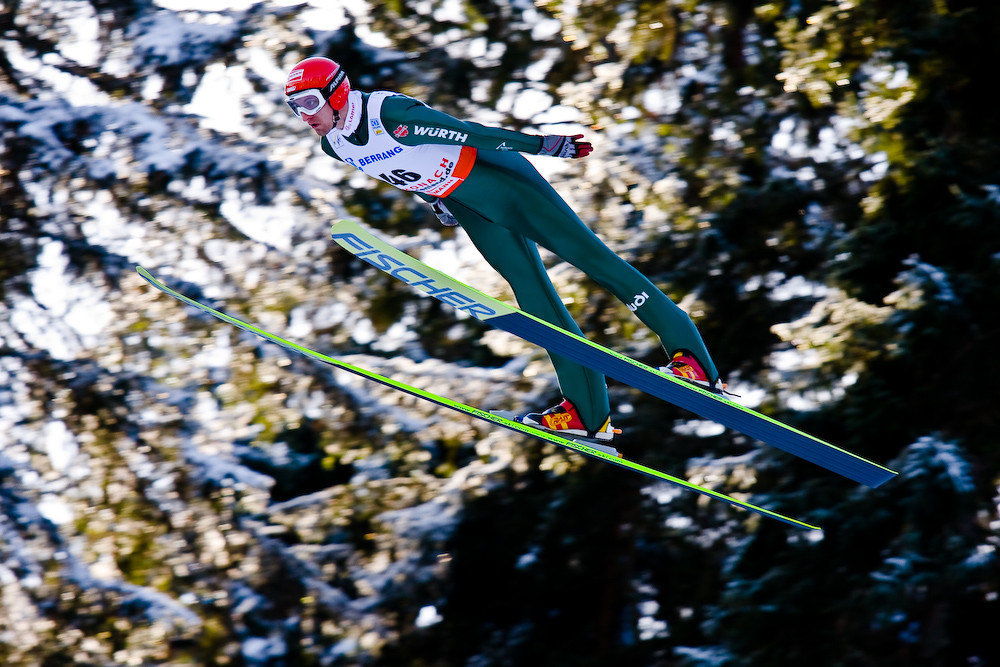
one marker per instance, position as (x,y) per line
(507,207)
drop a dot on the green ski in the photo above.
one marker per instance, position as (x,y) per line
(472,411)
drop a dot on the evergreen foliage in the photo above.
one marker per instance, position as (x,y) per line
(816,182)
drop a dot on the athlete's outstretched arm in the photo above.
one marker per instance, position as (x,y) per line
(412,123)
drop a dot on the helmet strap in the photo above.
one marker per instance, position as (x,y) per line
(331,87)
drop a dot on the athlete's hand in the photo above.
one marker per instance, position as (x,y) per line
(443,214)
(571,147)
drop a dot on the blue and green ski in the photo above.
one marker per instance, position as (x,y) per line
(498,420)
(363,244)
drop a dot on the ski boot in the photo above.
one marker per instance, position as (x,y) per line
(564,420)
(685,366)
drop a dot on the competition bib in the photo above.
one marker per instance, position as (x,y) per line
(430,169)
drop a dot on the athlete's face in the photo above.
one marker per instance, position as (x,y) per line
(322,121)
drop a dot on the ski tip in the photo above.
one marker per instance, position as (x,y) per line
(149,278)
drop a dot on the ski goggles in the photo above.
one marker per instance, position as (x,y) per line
(306,102)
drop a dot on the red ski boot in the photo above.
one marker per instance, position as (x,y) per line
(685,366)
(564,420)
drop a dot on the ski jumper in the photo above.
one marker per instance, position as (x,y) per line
(506,207)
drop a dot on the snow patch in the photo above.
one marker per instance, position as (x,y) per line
(66,316)
(428,616)
(219,98)
(272,225)
(930,456)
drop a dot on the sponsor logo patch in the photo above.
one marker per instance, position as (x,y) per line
(293,77)
(401,132)
(375,157)
(639,300)
(559,421)
(442,133)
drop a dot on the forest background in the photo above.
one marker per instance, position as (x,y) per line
(817,183)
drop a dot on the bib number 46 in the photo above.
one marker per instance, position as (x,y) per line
(400,177)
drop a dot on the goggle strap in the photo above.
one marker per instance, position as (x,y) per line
(337,79)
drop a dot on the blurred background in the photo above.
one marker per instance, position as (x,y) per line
(817,183)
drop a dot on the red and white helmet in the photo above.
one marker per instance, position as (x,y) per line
(320,74)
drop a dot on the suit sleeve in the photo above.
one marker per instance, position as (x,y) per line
(413,123)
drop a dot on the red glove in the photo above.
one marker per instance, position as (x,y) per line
(570,147)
